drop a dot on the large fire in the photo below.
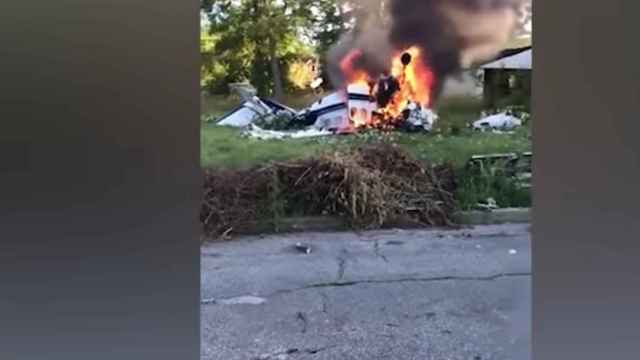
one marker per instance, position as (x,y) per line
(408,81)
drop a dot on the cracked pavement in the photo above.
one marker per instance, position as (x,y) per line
(389,294)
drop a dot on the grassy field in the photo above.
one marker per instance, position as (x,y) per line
(452,141)
(223,147)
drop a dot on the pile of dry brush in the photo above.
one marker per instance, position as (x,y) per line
(373,186)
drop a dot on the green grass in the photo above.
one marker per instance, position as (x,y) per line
(458,149)
(456,114)
(474,188)
(223,147)
(452,141)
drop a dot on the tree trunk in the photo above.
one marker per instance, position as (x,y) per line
(277,77)
(341,13)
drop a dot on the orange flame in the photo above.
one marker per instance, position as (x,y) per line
(354,76)
(415,80)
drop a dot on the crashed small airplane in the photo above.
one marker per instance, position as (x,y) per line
(398,99)
(337,112)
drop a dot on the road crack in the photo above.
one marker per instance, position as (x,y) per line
(325,302)
(302,317)
(376,250)
(411,279)
(337,284)
(292,352)
(342,264)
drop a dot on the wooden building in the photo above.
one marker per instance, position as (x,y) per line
(508,78)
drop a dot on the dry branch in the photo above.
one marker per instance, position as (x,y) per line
(371,186)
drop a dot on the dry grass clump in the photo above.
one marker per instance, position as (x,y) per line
(371,186)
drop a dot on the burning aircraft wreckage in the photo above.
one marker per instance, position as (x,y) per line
(397,99)
(388,76)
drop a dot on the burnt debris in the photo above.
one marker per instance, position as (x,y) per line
(386,88)
(405,59)
(303,248)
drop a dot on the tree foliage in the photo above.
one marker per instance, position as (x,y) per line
(258,40)
(255,38)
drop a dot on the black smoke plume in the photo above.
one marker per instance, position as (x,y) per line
(452,34)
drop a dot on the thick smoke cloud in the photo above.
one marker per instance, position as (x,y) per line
(452,33)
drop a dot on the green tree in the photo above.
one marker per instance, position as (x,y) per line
(333,18)
(255,37)
(328,23)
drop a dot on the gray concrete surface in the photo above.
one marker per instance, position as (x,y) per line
(393,294)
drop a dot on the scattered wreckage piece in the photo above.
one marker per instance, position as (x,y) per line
(501,121)
(417,118)
(303,248)
(246,113)
(253,110)
(488,204)
(254,131)
(316,86)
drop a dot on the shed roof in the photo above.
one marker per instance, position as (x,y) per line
(519,59)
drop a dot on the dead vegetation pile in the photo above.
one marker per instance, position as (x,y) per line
(371,186)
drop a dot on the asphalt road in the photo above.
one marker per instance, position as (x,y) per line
(396,294)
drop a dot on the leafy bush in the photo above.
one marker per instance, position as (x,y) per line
(477,184)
